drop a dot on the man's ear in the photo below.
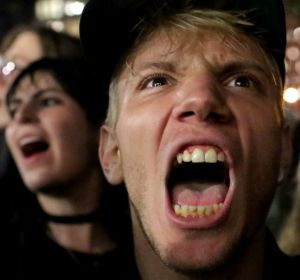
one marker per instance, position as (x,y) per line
(286,151)
(109,156)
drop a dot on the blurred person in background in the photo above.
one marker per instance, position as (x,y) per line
(289,236)
(26,43)
(21,45)
(289,232)
(53,137)
(282,202)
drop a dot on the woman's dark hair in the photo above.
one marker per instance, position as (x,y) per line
(74,77)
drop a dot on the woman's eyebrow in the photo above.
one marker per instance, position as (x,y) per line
(14,100)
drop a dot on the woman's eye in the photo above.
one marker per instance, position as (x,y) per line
(12,111)
(47,102)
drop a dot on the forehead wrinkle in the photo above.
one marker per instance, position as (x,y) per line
(187,54)
(178,56)
(218,63)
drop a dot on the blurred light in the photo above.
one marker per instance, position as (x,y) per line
(57,25)
(8,68)
(49,9)
(287,65)
(290,35)
(297,67)
(293,53)
(296,33)
(291,95)
(74,8)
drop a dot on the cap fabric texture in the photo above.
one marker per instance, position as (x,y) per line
(108,27)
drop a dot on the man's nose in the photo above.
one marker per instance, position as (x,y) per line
(202,100)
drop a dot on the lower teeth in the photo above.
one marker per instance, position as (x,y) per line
(197,211)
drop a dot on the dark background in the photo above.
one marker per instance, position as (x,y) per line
(15,11)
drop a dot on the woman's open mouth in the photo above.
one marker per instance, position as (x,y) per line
(32,146)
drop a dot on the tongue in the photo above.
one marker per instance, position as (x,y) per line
(199,194)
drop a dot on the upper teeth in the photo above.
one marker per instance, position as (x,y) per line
(198,155)
(29,140)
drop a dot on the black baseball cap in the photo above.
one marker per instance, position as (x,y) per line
(108,27)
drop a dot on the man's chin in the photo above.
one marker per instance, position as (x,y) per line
(196,261)
(192,254)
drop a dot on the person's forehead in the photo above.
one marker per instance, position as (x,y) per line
(39,80)
(25,48)
(206,45)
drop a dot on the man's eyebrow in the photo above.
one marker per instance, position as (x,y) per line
(162,65)
(245,66)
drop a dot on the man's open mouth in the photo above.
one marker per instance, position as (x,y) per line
(198,182)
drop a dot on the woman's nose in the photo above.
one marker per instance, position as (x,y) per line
(26,113)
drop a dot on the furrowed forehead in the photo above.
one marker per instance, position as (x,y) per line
(193,30)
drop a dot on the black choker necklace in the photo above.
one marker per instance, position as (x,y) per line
(75,219)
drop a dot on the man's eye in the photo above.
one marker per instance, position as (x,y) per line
(156,80)
(241,81)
